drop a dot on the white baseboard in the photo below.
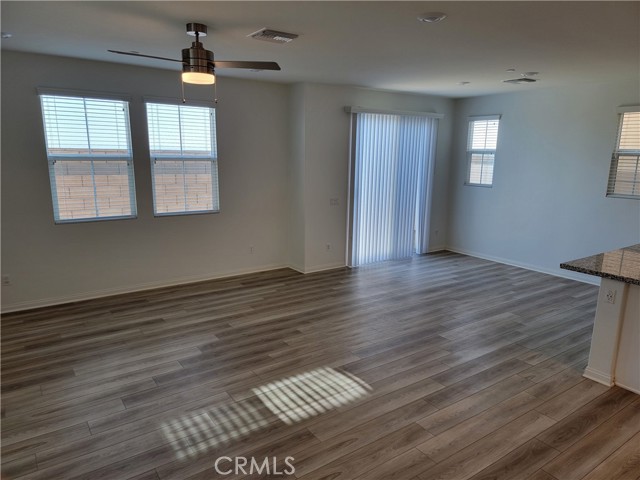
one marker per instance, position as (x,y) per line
(597,376)
(108,292)
(606,379)
(318,268)
(626,387)
(51,301)
(592,280)
(296,267)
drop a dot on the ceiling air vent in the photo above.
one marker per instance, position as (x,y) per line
(520,80)
(273,36)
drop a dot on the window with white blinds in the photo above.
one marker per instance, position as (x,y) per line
(184,158)
(90,163)
(624,175)
(481,149)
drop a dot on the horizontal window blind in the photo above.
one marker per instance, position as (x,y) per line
(90,160)
(624,174)
(183,148)
(481,149)
(481,168)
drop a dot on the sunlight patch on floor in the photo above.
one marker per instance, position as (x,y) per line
(291,400)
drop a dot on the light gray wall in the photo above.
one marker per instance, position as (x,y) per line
(296,240)
(326,165)
(284,153)
(548,201)
(49,263)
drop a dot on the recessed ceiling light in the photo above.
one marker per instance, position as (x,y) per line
(511,69)
(464,83)
(529,74)
(6,35)
(432,17)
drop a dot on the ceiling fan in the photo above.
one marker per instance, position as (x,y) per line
(198,65)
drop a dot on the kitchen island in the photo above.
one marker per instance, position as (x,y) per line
(614,358)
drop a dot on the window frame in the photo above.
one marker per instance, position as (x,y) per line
(617,153)
(213,159)
(482,151)
(54,158)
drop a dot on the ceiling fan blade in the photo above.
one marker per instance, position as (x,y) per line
(251,65)
(146,56)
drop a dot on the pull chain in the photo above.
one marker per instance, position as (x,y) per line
(184,100)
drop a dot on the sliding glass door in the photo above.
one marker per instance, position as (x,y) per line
(390,186)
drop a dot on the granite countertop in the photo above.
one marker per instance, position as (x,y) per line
(622,265)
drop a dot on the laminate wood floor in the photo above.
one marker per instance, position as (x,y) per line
(440,367)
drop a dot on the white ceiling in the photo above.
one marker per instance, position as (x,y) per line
(368,43)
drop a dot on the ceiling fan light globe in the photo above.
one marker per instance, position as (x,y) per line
(198,78)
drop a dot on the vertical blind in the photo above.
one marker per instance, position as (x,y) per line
(481,149)
(390,170)
(624,175)
(89,152)
(183,148)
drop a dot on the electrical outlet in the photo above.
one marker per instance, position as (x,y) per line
(252,250)
(6,280)
(333,202)
(328,246)
(611,296)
